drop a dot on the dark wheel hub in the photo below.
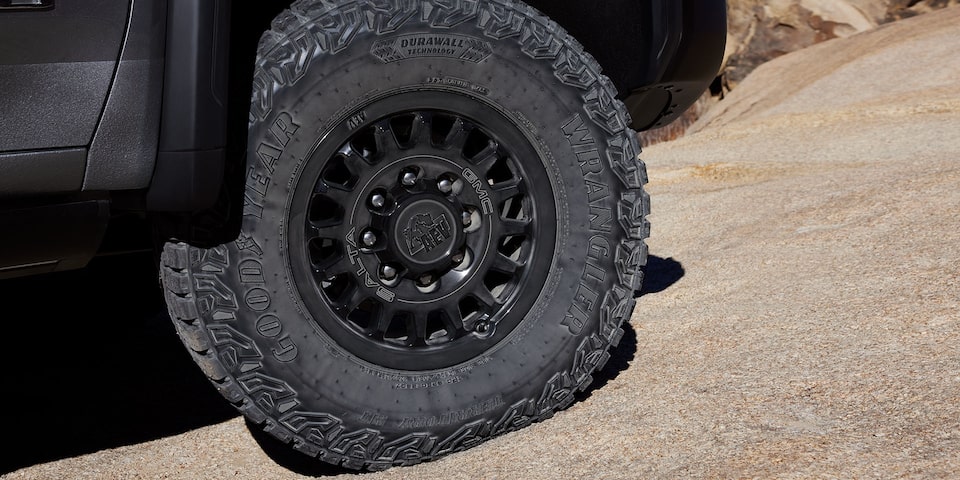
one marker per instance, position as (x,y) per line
(421,225)
(421,231)
(426,233)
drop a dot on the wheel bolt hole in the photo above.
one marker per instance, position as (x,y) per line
(427,283)
(460,261)
(471,220)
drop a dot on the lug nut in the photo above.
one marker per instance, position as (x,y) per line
(467,218)
(482,326)
(377,200)
(425,279)
(457,258)
(388,273)
(369,238)
(445,185)
(409,178)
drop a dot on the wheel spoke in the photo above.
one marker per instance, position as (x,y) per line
(381,323)
(323,229)
(419,130)
(419,332)
(457,134)
(385,140)
(486,158)
(509,226)
(502,263)
(336,266)
(335,192)
(352,156)
(504,190)
(486,299)
(451,318)
(373,328)
(352,300)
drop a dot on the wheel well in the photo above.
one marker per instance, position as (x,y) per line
(249,20)
(221,222)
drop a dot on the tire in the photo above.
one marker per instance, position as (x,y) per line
(442,231)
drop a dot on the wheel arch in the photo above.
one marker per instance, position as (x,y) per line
(210,50)
(195,192)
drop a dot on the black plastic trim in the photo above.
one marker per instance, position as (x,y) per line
(672,46)
(51,105)
(195,81)
(38,172)
(692,55)
(193,124)
(56,68)
(186,181)
(124,148)
(42,238)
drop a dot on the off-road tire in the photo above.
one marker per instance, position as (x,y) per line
(275,327)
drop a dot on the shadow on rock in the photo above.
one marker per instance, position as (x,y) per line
(620,358)
(659,275)
(93,363)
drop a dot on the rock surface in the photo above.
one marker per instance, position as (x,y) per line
(761,30)
(802,310)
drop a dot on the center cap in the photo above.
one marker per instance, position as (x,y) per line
(425,231)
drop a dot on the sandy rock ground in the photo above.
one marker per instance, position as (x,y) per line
(802,312)
(761,30)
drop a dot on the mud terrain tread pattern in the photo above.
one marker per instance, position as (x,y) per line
(284,52)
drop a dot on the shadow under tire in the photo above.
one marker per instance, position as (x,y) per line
(442,231)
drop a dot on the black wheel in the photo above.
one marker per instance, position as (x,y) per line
(442,231)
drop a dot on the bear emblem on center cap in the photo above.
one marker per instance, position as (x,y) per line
(424,233)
